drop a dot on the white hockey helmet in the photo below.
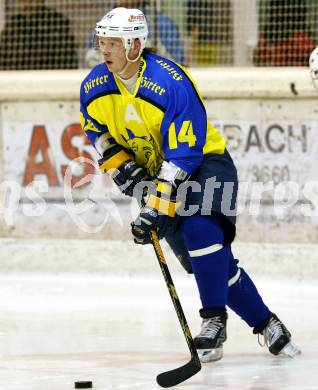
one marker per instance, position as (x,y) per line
(125,23)
(313,67)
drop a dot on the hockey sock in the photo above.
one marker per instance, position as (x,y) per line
(203,238)
(243,297)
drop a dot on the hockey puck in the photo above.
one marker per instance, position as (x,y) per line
(83,385)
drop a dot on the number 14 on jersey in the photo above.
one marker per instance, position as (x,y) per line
(185,135)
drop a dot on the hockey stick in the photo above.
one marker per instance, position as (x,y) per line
(180,374)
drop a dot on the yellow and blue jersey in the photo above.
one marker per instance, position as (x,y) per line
(164,119)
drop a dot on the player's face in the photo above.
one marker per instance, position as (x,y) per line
(113,52)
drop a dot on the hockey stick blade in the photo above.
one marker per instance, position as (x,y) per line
(180,374)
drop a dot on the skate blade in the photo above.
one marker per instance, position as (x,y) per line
(210,355)
(290,350)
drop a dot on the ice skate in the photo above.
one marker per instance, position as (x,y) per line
(209,342)
(278,338)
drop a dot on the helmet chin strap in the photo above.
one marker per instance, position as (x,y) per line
(129,62)
(124,68)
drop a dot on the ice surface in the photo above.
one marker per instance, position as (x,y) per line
(121,331)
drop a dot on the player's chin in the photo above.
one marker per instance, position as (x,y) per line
(109,65)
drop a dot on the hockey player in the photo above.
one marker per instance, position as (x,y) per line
(147,121)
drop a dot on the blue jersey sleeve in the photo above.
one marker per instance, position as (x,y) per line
(90,126)
(184,128)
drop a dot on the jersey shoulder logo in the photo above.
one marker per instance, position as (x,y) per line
(171,70)
(94,82)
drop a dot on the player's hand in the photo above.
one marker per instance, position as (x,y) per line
(158,214)
(126,175)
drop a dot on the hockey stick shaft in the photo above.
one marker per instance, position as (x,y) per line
(194,365)
(173,292)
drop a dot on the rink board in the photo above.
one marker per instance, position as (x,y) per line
(53,183)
